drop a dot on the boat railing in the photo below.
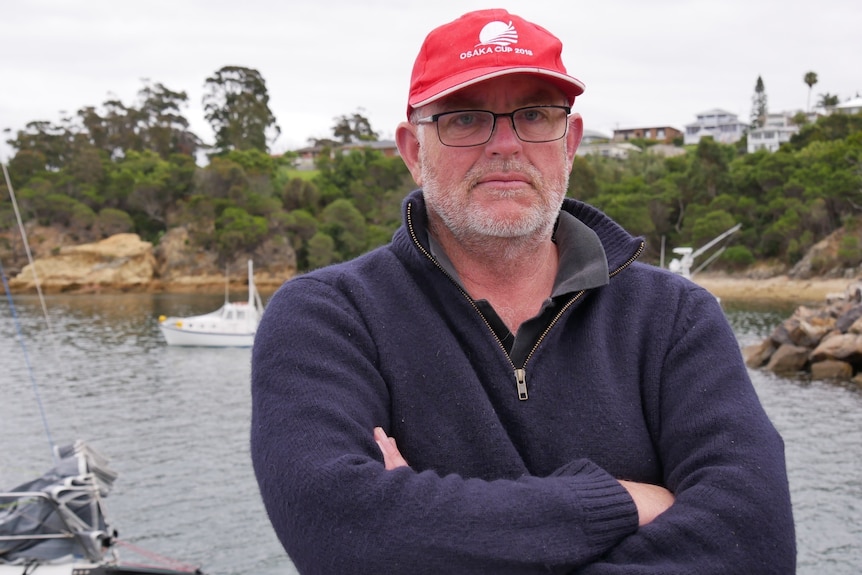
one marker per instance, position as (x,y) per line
(69,513)
(59,514)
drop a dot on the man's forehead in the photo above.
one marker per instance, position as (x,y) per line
(517,89)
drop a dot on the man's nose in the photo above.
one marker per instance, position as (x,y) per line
(504,138)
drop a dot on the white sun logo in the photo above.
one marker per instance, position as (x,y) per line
(498,33)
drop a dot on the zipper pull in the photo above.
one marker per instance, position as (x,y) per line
(521,381)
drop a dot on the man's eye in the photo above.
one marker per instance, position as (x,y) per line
(465,119)
(533,115)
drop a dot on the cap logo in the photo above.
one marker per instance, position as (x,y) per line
(496,37)
(498,33)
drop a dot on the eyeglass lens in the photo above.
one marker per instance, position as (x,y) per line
(474,127)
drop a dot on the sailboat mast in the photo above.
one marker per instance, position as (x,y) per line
(250,285)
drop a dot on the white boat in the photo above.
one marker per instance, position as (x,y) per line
(232,325)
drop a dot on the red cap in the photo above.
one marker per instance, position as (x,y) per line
(482,45)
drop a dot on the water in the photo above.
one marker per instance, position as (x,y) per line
(174,423)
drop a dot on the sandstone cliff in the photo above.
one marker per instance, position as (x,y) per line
(124,262)
(120,262)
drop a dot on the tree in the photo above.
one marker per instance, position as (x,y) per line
(163,127)
(759,108)
(237,231)
(810,79)
(236,104)
(321,250)
(827,100)
(53,142)
(346,226)
(355,128)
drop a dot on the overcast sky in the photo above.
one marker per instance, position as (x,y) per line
(644,63)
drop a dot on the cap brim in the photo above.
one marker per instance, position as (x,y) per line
(570,86)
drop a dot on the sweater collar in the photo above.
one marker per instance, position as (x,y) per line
(590,243)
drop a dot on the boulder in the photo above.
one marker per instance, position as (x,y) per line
(758,354)
(788,358)
(843,346)
(850,316)
(832,369)
(122,262)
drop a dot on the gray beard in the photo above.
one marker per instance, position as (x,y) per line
(482,231)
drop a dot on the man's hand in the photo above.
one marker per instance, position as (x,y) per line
(651,500)
(391,456)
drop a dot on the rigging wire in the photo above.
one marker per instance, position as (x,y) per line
(27,248)
(34,385)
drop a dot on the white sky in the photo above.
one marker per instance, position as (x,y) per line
(645,62)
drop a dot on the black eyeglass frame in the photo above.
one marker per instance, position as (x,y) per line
(433,119)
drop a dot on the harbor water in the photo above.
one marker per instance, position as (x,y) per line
(174,423)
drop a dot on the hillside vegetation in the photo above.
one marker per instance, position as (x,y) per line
(89,179)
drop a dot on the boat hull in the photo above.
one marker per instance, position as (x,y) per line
(190,338)
(86,569)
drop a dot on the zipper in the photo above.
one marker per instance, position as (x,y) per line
(519,372)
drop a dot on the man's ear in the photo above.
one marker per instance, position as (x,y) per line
(407,141)
(574,135)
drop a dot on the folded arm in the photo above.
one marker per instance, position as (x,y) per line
(650,500)
(335,506)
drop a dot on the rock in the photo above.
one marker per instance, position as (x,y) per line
(826,340)
(832,369)
(179,260)
(788,358)
(183,266)
(843,346)
(806,327)
(122,262)
(758,354)
(846,320)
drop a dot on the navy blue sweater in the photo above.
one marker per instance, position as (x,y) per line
(639,379)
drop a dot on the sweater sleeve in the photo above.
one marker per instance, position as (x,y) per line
(722,458)
(317,393)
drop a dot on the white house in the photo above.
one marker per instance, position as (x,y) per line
(853,106)
(594,136)
(777,130)
(723,126)
(618,150)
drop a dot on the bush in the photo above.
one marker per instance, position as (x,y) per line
(737,257)
(849,252)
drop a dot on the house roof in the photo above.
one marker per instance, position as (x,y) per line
(595,135)
(715,112)
(853,103)
(656,127)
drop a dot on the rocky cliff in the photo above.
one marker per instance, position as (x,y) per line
(124,262)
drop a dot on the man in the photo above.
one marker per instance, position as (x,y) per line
(503,388)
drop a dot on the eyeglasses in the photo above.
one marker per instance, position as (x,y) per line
(465,128)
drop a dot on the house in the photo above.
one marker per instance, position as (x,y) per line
(723,126)
(666,150)
(664,134)
(618,150)
(853,106)
(593,137)
(777,129)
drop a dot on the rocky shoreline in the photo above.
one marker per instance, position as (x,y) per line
(779,289)
(124,263)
